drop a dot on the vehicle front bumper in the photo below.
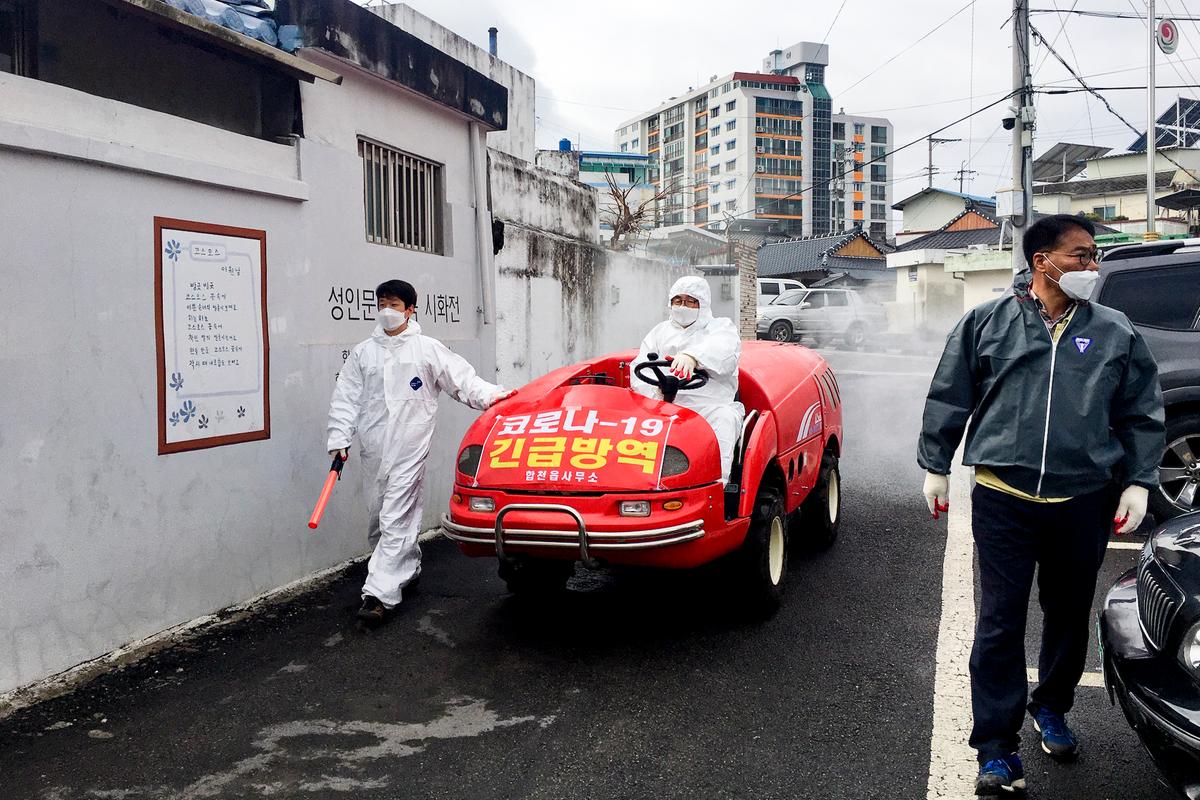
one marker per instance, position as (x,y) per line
(1160,700)
(589,527)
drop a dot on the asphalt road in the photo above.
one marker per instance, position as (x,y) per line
(630,686)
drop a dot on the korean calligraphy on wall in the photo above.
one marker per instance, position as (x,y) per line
(210,315)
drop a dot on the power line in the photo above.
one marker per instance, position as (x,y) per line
(859,166)
(1061,29)
(1107,105)
(825,38)
(1101,14)
(936,28)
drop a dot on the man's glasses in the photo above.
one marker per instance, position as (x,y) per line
(1085,257)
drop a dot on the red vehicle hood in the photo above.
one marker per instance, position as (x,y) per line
(589,438)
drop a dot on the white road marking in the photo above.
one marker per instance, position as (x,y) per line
(952,764)
(1124,545)
(1092,679)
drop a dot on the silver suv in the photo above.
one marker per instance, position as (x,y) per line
(823,315)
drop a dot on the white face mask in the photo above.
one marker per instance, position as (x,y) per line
(391,319)
(684,316)
(1076,285)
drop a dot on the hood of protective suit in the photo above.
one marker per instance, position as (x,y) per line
(697,287)
(381,336)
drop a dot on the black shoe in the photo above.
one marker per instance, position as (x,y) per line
(372,612)
(1001,777)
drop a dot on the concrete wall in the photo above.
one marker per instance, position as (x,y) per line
(518,139)
(560,297)
(106,541)
(933,303)
(986,275)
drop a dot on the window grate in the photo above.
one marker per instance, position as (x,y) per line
(401,198)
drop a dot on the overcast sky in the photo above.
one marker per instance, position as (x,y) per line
(596,68)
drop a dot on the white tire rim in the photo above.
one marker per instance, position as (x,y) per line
(775,551)
(834,497)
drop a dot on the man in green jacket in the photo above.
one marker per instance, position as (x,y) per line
(1065,434)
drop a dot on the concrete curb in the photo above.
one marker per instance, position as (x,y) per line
(68,680)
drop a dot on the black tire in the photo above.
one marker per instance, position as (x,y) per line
(780,331)
(536,577)
(761,563)
(821,511)
(1183,434)
(856,336)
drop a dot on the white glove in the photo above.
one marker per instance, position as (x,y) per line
(503,394)
(343,452)
(1131,510)
(683,366)
(937,493)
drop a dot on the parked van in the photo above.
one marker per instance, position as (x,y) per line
(770,288)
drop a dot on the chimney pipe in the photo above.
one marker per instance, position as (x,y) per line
(492,40)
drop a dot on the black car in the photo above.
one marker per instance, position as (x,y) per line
(1157,285)
(1149,631)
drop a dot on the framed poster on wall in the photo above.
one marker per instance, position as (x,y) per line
(210,316)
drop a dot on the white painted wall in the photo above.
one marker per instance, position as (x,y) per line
(105,541)
(931,212)
(518,139)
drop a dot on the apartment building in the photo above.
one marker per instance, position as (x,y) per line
(767,145)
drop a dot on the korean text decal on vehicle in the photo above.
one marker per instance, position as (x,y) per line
(573,447)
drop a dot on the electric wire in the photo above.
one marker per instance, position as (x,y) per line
(1104,100)
(929,33)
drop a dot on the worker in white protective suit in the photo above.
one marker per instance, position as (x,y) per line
(387,393)
(695,339)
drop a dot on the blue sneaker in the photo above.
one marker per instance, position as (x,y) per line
(1001,777)
(1058,740)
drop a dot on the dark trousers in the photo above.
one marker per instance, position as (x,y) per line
(1066,542)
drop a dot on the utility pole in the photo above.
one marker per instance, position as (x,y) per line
(932,141)
(962,173)
(1151,125)
(1022,129)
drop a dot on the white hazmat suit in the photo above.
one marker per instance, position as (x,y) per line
(387,392)
(715,345)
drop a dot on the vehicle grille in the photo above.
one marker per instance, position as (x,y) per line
(1157,602)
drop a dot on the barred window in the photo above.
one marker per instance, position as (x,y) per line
(401,198)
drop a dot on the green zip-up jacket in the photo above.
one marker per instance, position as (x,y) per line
(1050,420)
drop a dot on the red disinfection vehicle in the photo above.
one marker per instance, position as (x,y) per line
(578,467)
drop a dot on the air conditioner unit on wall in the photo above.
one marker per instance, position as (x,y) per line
(760,168)
(760,149)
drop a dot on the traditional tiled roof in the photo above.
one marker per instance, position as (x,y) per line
(819,255)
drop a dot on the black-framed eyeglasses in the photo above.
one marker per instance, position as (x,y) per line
(1086,257)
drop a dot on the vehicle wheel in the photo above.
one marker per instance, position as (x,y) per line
(761,563)
(536,577)
(856,336)
(821,511)
(1179,470)
(780,331)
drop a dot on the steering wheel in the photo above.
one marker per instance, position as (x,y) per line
(667,383)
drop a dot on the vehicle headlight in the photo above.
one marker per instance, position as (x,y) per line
(468,459)
(1189,650)
(482,504)
(635,508)
(674,462)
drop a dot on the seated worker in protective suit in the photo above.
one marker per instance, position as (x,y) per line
(695,339)
(387,392)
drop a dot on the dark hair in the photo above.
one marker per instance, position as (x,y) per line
(1045,233)
(397,290)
